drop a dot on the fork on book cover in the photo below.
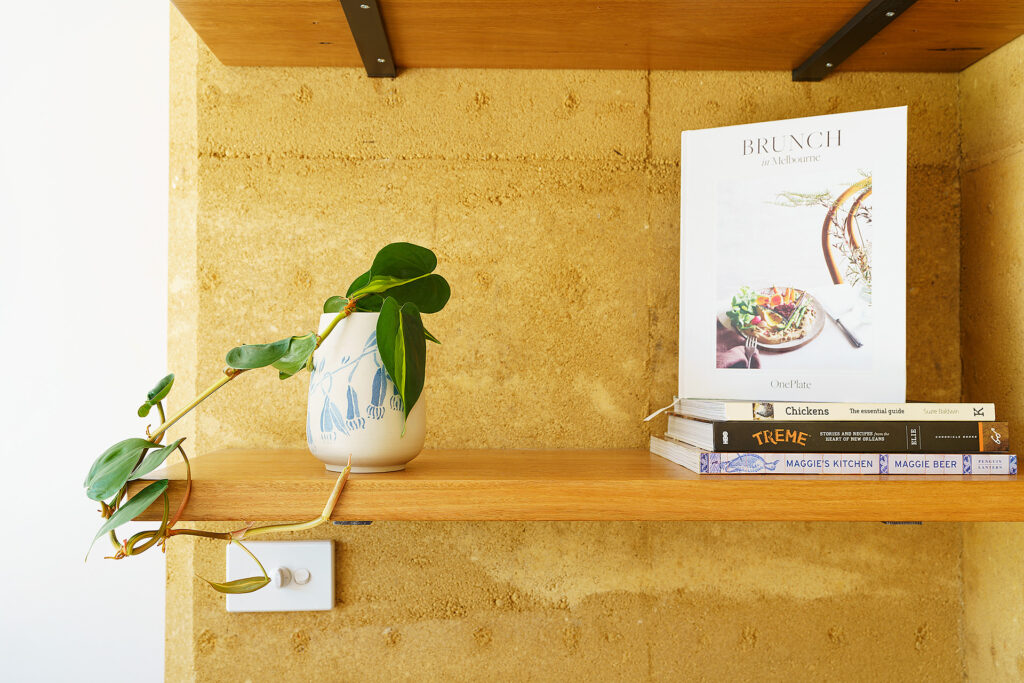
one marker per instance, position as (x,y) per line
(750,349)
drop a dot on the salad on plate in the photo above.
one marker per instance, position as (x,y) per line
(773,315)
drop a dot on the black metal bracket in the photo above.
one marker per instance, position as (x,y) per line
(869,21)
(353,523)
(367,26)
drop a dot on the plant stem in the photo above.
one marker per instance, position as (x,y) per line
(114,505)
(188,489)
(167,528)
(253,558)
(163,418)
(153,535)
(343,313)
(301,526)
(246,533)
(229,374)
(222,536)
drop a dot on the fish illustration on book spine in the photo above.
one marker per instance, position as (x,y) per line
(750,462)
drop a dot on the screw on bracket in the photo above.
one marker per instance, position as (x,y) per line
(367,26)
(875,16)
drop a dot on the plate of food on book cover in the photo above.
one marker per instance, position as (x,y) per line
(778,318)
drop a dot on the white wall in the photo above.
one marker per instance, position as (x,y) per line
(83,271)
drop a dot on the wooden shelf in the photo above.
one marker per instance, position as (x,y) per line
(932,35)
(472,485)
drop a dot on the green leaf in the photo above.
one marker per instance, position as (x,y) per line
(394,265)
(357,284)
(299,350)
(401,269)
(249,585)
(250,356)
(162,388)
(368,302)
(154,459)
(335,304)
(112,469)
(157,394)
(403,261)
(374,302)
(430,294)
(403,349)
(382,283)
(132,509)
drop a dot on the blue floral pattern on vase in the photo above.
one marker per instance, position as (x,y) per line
(353,419)
(396,400)
(375,410)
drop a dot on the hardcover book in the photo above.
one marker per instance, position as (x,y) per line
(793,260)
(778,410)
(705,461)
(843,437)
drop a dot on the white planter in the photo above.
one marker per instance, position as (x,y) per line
(353,407)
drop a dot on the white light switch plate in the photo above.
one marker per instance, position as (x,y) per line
(316,557)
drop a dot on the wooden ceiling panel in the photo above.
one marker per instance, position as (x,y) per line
(933,35)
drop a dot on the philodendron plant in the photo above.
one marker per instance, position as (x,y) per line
(400,285)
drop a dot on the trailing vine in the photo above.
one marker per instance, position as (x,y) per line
(400,285)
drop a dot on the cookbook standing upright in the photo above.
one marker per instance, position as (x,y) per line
(793,259)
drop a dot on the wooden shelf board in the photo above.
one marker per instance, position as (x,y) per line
(481,485)
(933,35)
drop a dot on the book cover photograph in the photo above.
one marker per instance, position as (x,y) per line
(792,262)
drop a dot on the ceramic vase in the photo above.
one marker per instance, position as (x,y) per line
(354,407)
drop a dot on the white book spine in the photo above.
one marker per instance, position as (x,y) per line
(810,412)
(967,463)
(859,463)
(789,463)
(707,462)
(984,463)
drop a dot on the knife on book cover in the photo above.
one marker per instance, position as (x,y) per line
(832,304)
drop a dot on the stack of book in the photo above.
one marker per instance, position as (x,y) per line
(741,437)
(792,274)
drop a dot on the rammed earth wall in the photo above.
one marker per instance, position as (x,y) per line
(551,199)
(992,246)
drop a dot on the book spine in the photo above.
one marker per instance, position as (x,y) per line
(857,463)
(898,412)
(813,412)
(859,437)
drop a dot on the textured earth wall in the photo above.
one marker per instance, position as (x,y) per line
(992,111)
(551,199)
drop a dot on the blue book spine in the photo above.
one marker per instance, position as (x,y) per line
(857,463)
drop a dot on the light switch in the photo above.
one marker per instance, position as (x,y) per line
(302,574)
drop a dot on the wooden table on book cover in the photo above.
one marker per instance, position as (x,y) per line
(613,484)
